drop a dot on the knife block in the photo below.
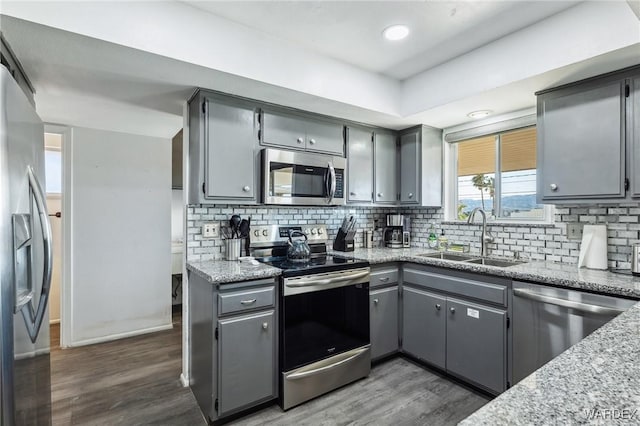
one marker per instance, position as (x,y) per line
(344,241)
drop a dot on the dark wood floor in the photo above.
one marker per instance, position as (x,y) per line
(135,381)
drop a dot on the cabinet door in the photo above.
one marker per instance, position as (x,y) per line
(383,311)
(635,137)
(360,165)
(410,168)
(230,147)
(385,168)
(282,130)
(246,361)
(476,343)
(581,142)
(424,325)
(324,137)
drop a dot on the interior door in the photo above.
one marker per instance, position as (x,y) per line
(386,168)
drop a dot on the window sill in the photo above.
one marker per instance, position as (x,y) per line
(523,224)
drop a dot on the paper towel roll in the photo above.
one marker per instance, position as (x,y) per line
(593,250)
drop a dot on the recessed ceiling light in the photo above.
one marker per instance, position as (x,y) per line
(479,114)
(396,32)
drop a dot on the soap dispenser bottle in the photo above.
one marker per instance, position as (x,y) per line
(433,238)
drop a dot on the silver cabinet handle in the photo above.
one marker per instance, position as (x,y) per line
(246,188)
(453,310)
(375,301)
(438,306)
(411,195)
(553,187)
(265,325)
(300,140)
(578,306)
(384,279)
(312,141)
(248,302)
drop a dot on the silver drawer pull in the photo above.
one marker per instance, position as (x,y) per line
(384,279)
(265,325)
(248,302)
(453,310)
(375,301)
(553,187)
(438,306)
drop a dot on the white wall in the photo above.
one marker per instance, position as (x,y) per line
(177,215)
(120,215)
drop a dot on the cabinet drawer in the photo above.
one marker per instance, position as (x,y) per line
(382,277)
(245,300)
(464,286)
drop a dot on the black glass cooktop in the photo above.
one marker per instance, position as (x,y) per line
(315,265)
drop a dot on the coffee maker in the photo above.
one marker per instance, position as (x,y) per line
(396,234)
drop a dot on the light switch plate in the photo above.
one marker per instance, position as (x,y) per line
(211,230)
(574,231)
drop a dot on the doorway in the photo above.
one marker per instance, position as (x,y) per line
(54,189)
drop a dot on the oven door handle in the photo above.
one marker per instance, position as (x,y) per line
(327,281)
(351,355)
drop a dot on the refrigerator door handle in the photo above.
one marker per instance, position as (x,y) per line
(34,317)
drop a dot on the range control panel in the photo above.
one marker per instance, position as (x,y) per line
(276,233)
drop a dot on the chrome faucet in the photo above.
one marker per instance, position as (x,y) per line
(486,236)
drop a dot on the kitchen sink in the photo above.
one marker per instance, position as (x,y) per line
(448,256)
(495,262)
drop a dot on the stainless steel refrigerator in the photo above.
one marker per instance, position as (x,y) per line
(25,260)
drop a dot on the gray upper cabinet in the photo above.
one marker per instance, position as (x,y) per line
(383,311)
(292,131)
(581,142)
(246,361)
(386,168)
(477,343)
(421,166)
(359,165)
(409,168)
(634,136)
(424,326)
(223,150)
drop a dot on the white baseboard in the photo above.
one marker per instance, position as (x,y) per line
(120,336)
(184,381)
(55,321)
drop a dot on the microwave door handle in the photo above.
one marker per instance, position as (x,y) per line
(34,318)
(332,188)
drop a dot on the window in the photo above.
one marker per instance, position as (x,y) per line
(498,174)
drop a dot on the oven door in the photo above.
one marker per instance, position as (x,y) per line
(324,315)
(300,178)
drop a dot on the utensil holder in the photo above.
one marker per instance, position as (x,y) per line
(232,248)
(344,241)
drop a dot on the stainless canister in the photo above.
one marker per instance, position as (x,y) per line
(635,259)
(368,239)
(232,247)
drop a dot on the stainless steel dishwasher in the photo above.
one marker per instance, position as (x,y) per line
(549,320)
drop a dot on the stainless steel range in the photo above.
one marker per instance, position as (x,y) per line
(323,314)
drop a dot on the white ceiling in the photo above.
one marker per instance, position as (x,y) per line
(130,66)
(351,31)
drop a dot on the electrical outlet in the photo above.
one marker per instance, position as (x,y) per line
(211,230)
(574,231)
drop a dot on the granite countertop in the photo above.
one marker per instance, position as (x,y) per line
(596,381)
(227,271)
(558,274)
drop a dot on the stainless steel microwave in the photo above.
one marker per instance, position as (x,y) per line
(302,178)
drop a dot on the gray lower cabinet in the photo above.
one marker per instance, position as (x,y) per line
(233,353)
(287,130)
(383,314)
(424,325)
(386,168)
(245,360)
(359,165)
(223,150)
(477,343)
